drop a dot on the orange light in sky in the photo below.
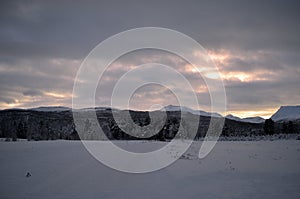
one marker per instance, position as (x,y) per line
(11,105)
(58,95)
(219,56)
(264,113)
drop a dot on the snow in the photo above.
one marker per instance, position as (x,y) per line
(189,110)
(247,119)
(62,108)
(203,113)
(253,119)
(51,109)
(286,113)
(13,109)
(91,109)
(232,117)
(64,169)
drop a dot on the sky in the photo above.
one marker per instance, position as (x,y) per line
(254,44)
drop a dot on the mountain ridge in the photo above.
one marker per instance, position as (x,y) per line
(284,113)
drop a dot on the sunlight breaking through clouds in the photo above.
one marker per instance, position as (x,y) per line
(257,55)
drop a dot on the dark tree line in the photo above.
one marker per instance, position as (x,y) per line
(285,127)
(269,127)
(288,127)
(51,126)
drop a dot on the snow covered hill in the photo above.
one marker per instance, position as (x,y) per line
(232,117)
(51,109)
(63,108)
(287,113)
(247,119)
(254,119)
(189,110)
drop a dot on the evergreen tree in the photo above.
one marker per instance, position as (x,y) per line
(225,131)
(269,127)
(43,130)
(22,130)
(87,126)
(291,127)
(14,131)
(284,128)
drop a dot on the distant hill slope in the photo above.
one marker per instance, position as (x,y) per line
(57,123)
(51,109)
(189,110)
(287,113)
(247,119)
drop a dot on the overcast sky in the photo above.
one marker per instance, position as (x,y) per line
(254,44)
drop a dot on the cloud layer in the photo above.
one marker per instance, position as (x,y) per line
(255,45)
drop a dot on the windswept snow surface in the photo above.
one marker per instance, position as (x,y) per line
(64,169)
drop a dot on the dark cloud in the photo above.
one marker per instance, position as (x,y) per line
(7,100)
(33,93)
(73,28)
(42,44)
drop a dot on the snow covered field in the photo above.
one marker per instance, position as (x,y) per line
(64,169)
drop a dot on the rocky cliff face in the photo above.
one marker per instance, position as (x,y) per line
(44,125)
